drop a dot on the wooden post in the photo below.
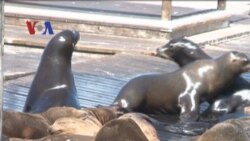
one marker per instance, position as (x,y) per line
(221,5)
(166,10)
(1,68)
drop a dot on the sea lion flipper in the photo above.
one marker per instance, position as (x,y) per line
(189,104)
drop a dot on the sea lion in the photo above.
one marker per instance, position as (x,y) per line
(129,127)
(63,137)
(229,104)
(24,125)
(53,84)
(183,51)
(183,90)
(88,125)
(230,130)
(35,125)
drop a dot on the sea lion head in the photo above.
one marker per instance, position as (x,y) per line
(181,49)
(63,43)
(80,126)
(239,61)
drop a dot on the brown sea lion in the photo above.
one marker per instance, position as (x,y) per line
(63,137)
(184,51)
(182,91)
(129,127)
(88,125)
(230,130)
(36,125)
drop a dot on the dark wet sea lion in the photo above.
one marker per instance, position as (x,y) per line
(129,127)
(53,84)
(184,51)
(65,137)
(183,90)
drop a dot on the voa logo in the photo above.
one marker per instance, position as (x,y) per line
(39,27)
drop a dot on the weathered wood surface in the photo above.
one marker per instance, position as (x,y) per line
(88,42)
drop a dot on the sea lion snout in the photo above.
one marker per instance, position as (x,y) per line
(239,56)
(161,52)
(52,131)
(76,36)
(240,60)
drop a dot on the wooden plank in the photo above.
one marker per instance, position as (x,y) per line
(17,35)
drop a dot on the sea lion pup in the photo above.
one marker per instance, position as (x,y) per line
(129,127)
(183,90)
(88,125)
(63,137)
(35,125)
(230,130)
(234,99)
(53,84)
